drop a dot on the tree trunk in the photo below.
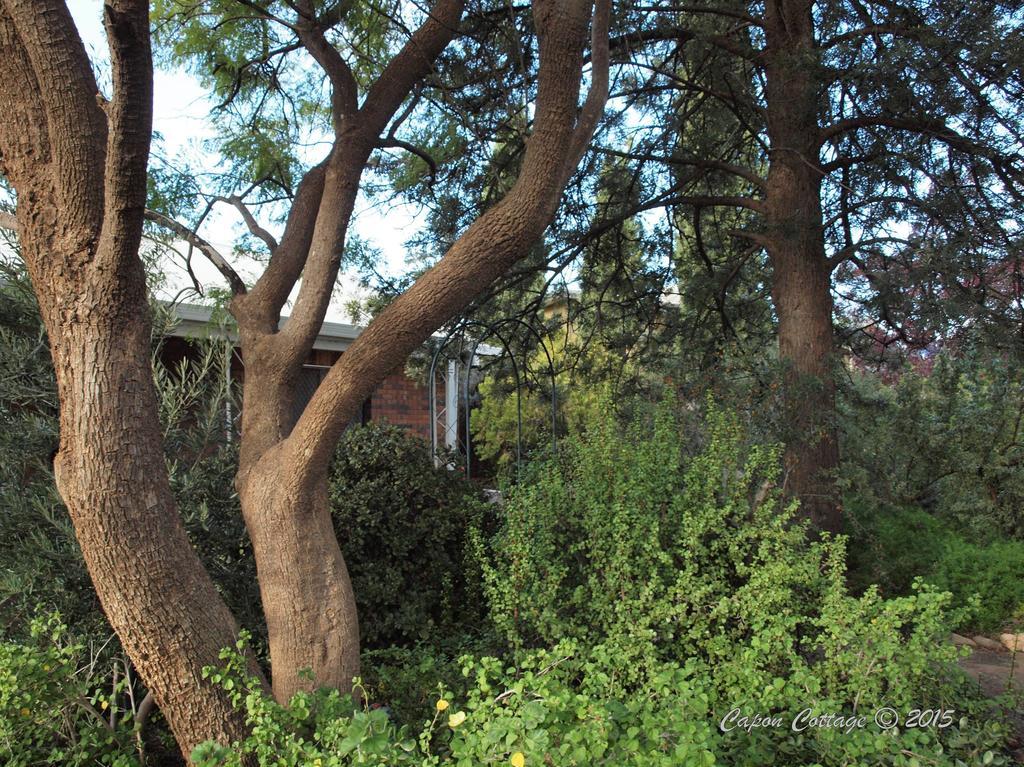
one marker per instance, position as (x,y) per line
(282,479)
(111,474)
(79,171)
(801,276)
(304,584)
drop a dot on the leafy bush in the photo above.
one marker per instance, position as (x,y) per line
(401,521)
(53,706)
(618,541)
(563,708)
(550,709)
(893,546)
(629,545)
(587,374)
(402,524)
(949,441)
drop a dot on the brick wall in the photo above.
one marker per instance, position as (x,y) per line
(399,400)
(403,402)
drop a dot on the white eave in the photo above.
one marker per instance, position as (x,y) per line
(194,321)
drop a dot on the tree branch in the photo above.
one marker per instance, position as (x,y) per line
(204,247)
(737,170)
(724,201)
(739,15)
(344,92)
(412,63)
(593,106)
(926,127)
(412,149)
(129,125)
(845,253)
(75,122)
(344,170)
(264,301)
(250,221)
(494,242)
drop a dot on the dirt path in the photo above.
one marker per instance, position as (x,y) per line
(997,672)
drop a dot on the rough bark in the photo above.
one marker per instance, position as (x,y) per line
(79,172)
(801,275)
(282,482)
(282,479)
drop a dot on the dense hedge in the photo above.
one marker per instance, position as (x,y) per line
(403,526)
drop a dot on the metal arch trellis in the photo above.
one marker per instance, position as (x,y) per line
(491,330)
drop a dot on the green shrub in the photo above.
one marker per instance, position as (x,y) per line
(562,708)
(57,705)
(949,441)
(893,546)
(630,545)
(402,524)
(671,591)
(621,542)
(401,521)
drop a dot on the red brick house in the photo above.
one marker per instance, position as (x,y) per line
(399,399)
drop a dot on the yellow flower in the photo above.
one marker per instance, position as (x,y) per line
(442,704)
(25,712)
(518,760)
(318,762)
(457,718)
(104,705)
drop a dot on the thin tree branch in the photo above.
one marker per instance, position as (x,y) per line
(412,149)
(711,164)
(204,247)
(250,221)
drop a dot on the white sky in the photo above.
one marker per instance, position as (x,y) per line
(182,117)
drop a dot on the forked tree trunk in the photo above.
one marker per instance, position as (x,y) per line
(801,276)
(112,475)
(80,177)
(282,480)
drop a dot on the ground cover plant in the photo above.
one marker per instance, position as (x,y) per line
(762,259)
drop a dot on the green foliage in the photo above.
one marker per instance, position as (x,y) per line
(402,524)
(549,709)
(629,545)
(948,440)
(564,707)
(621,541)
(57,706)
(892,546)
(670,589)
(587,375)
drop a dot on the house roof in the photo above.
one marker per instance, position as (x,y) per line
(197,321)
